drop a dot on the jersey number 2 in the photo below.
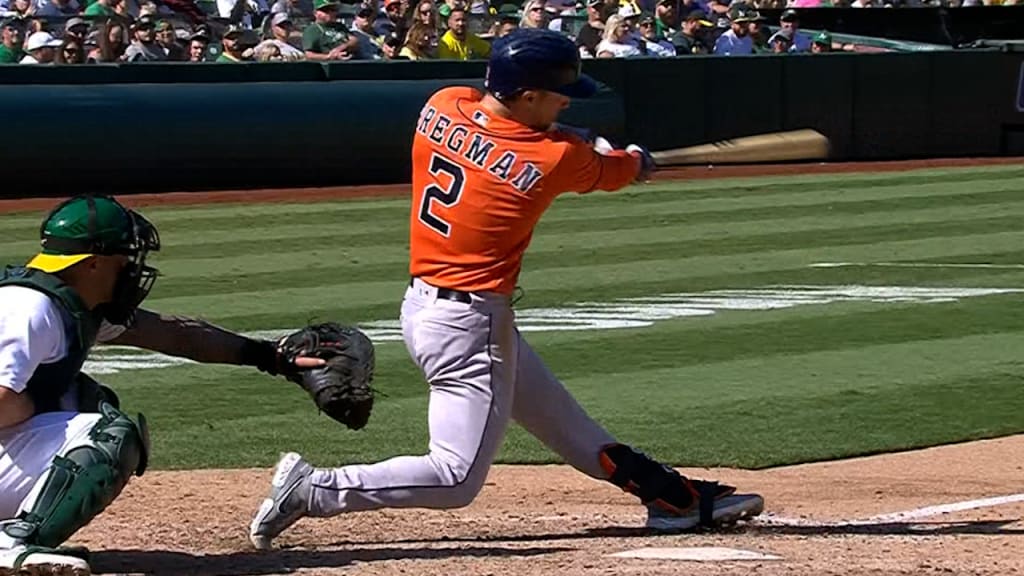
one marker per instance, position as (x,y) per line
(447,197)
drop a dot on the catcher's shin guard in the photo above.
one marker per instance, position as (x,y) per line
(83,480)
(658,485)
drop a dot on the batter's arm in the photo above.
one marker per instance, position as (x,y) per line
(201,341)
(582,169)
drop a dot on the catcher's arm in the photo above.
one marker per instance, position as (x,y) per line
(201,341)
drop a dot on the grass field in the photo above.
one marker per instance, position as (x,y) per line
(748,388)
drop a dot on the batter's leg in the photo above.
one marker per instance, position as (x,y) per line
(545,408)
(549,412)
(467,354)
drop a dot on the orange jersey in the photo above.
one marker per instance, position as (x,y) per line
(480,183)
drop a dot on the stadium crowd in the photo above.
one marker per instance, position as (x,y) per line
(92,31)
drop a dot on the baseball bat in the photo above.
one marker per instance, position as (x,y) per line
(774,147)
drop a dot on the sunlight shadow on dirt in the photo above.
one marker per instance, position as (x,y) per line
(274,562)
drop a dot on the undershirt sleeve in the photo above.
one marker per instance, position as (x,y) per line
(31,333)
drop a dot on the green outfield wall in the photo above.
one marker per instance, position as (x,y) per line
(155,127)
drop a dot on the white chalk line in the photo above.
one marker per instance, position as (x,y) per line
(917,265)
(914,514)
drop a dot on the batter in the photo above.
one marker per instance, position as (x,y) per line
(485,168)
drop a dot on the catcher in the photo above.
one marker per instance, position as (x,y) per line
(66,447)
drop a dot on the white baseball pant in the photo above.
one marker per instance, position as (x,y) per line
(481,373)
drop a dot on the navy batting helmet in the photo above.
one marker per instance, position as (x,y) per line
(536,59)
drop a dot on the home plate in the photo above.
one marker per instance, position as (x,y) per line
(695,554)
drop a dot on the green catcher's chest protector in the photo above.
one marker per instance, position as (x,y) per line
(51,381)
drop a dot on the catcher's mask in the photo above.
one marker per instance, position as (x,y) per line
(86,226)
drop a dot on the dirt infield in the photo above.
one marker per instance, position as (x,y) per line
(545,520)
(397,190)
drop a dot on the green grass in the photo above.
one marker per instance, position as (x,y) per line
(741,388)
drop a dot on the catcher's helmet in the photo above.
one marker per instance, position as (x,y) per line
(89,225)
(537,59)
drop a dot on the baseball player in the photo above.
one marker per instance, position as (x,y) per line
(485,168)
(66,448)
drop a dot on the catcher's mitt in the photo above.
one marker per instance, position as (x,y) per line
(341,388)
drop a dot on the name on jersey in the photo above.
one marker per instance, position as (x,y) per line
(479,150)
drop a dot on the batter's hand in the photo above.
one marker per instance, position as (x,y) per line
(647,165)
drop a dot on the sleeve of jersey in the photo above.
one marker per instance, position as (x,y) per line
(583,170)
(29,336)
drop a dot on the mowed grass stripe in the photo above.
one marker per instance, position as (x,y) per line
(379,249)
(238,235)
(29,221)
(700,196)
(760,432)
(339,308)
(643,204)
(822,327)
(301,252)
(358,291)
(805,374)
(570,250)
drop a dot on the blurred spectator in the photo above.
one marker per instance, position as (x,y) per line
(111,43)
(167,39)
(293,8)
(791,21)
(236,43)
(653,43)
(91,43)
(268,53)
(458,43)
(689,39)
(632,6)
(70,52)
(326,39)
(40,48)
(555,10)
(420,43)
(759,35)
(822,42)
(736,41)
(665,11)
(368,45)
(241,11)
(37,25)
(146,9)
(76,29)
(13,39)
(425,12)
(188,8)
(780,42)
(393,20)
(106,8)
(535,15)
(197,46)
(630,15)
(590,33)
(144,47)
(506,22)
(280,36)
(616,40)
(391,44)
(57,8)
(20,9)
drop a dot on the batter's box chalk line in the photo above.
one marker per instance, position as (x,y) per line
(769,519)
(696,554)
